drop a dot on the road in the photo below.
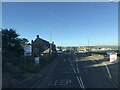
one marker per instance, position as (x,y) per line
(75,71)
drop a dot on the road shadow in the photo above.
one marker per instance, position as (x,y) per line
(103,66)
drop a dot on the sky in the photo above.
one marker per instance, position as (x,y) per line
(65,23)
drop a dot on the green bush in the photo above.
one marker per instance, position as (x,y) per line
(31,67)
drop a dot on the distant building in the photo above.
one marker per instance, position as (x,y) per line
(39,45)
(82,49)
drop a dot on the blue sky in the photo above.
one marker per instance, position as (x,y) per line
(71,24)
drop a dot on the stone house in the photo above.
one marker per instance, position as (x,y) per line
(39,45)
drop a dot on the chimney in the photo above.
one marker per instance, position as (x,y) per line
(31,41)
(37,36)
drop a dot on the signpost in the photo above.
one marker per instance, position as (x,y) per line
(113,57)
(37,60)
(27,53)
(27,50)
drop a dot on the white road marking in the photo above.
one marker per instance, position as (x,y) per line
(55,82)
(77,64)
(67,72)
(59,82)
(74,70)
(78,70)
(79,82)
(50,83)
(68,81)
(71,64)
(108,71)
(82,82)
(85,71)
(51,69)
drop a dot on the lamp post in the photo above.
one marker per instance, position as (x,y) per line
(50,42)
(88,45)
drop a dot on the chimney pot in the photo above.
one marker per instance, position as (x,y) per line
(37,36)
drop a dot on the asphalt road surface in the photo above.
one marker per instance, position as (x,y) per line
(75,71)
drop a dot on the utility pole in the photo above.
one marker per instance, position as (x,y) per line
(88,45)
(50,41)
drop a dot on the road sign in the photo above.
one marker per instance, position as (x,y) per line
(113,57)
(27,50)
(37,60)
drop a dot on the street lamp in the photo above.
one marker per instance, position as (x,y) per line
(88,44)
(50,42)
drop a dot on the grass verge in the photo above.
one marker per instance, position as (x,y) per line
(31,67)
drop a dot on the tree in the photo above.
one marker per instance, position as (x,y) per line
(60,48)
(24,41)
(53,47)
(10,41)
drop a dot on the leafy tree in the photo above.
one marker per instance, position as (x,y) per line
(10,41)
(24,41)
(60,48)
(53,47)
